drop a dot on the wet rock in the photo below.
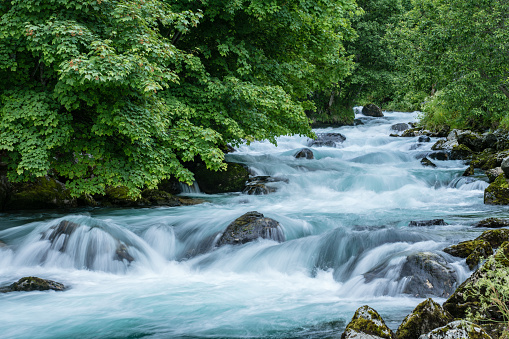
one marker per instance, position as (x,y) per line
(400,127)
(122,253)
(426,162)
(424,138)
(428,274)
(372,110)
(327,139)
(357,122)
(433,222)
(495,237)
(493,223)
(367,324)
(469,171)
(43,193)
(59,234)
(305,153)
(440,155)
(427,316)
(460,152)
(233,179)
(493,173)
(159,198)
(505,167)
(28,284)
(249,227)
(260,185)
(458,329)
(469,139)
(473,250)
(412,132)
(497,193)
(488,159)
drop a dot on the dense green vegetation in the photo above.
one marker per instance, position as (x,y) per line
(123,93)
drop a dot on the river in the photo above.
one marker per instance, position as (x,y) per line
(343,214)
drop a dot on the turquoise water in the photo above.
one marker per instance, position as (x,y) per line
(343,214)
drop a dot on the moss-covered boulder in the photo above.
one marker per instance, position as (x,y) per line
(28,284)
(497,193)
(427,316)
(460,152)
(495,237)
(233,179)
(459,329)
(493,223)
(428,274)
(372,110)
(43,193)
(249,227)
(367,324)
(473,250)
(477,294)
(327,139)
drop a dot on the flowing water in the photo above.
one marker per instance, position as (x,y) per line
(343,214)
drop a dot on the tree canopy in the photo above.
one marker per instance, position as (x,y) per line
(123,92)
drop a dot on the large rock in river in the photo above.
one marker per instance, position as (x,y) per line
(305,153)
(233,179)
(372,110)
(367,324)
(33,284)
(327,139)
(251,226)
(427,316)
(428,274)
(497,193)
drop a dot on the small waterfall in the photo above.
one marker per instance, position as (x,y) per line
(193,189)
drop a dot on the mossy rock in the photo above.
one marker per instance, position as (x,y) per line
(367,323)
(43,193)
(460,152)
(427,316)
(28,284)
(497,193)
(119,196)
(466,248)
(249,227)
(485,160)
(495,237)
(160,198)
(493,223)
(233,179)
(459,329)
(372,110)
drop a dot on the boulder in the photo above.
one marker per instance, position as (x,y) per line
(433,222)
(249,227)
(505,167)
(493,223)
(260,185)
(497,193)
(469,171)
(367,324)
(428,274)
(400,127)
(458,329)
(424,138)
(233,179)
(33,284)
(43,193)
(154,197)
(327,139)
(372,110)
(460,152)
(59,234)
(426,162)
(493,173)
(489,140)
(473,250)
(427,316)
(305,153)
(440,155)
(495,237)
(469,139)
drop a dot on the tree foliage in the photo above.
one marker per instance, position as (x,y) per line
(124,92)
(459,50)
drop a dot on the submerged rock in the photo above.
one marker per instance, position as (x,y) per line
(28,284)
(493,223)
(428,163)
(367,324)
(459,329)
(251,226)
(428,274)
(327,139)
(427,316)
(372,110)
(64,229)
(304,153)
(497,193)
(433,222)
(122,254)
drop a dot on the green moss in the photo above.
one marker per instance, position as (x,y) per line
(360,324)
(45,192)
(427,316)
(233,179)
(495,237)
(497,193)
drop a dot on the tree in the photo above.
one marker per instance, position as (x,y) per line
(458,50)
(124,92)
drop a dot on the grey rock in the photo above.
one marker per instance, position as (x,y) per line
(426,162)
(400,127)
(505,167)
(458,329)
(305,153)
(493,173)
(327,139)
(372,110)
(249,227)
(424,138)
(432,222)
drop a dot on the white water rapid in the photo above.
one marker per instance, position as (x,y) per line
(156,273)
